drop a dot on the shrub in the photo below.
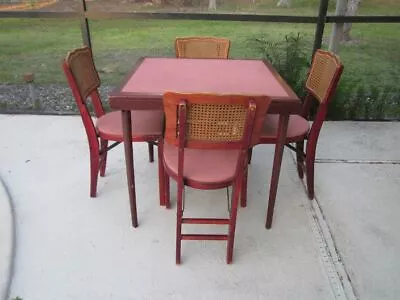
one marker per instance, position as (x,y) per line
(356,100)
(289,57)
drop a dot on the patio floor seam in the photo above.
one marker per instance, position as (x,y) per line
(335,269)
(357,161)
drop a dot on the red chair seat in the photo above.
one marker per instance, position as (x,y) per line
(147,125)
(298,128)
(211,169)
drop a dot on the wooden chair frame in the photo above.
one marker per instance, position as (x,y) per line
(306,159)
(176,108)
(84,85)
(318,89)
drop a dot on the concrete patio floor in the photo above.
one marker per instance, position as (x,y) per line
(69,246)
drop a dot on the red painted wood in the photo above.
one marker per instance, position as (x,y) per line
(178,75)
(126,120)
(144,86)
(300,158)
(299,131)
(147,125)
(232,225)
(122,98)
(281,140)
(205,221)
(180,179)
(204,237)
(181,174)
(103,158)
(243,193)
(161,173)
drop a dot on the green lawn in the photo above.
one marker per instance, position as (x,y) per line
(38,45)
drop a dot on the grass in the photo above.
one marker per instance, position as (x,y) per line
(32,45)
(38,45)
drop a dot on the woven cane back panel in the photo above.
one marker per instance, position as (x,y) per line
(216,122)
(80,62)
(202,48)
(324,69)
(213,121)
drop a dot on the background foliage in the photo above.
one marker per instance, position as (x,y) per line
(369,88)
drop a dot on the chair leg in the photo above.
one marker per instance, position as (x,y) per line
(94,171)
(166,190)
(151,151)
(310,176)
(249,155)
(161,175)
(232,221)
(243,192)
(103,160)
(179,215)
(300,158)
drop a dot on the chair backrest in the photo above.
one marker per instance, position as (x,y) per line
(202,47)
(83,79)
(321,84)
(211,121)
(323,77)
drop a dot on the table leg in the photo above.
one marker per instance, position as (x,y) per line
(130,174)
(161,172)
(280,144)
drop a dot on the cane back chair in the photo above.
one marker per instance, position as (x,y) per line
(84,82)
(205,147)
(202,47)
(321,83)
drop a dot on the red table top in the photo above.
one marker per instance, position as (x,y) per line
(152,77)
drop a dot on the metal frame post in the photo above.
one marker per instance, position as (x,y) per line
(321,20)
(85,26)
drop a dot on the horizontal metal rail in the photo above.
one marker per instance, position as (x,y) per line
(39,14)
(362,19)
(97,15)
(202,16)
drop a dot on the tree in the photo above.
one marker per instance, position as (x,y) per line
(352,7)
(337,29)
(341,31)
(212,4)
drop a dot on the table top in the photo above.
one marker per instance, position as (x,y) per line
(152,77)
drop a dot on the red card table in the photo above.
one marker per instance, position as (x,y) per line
(150,78)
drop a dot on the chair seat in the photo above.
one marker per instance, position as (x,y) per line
(298,128)
(147,125)
(203,169)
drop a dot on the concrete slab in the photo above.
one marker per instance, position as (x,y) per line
(361,205)
(73,247)
(359,141)
(7,235)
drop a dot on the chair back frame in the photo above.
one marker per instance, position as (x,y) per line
(172,102)
(221,52)
(324,64)
(177,132)
(79,67)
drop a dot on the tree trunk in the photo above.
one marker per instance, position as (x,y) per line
(337,29)
(352,7)
(283,3)
(212,4)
